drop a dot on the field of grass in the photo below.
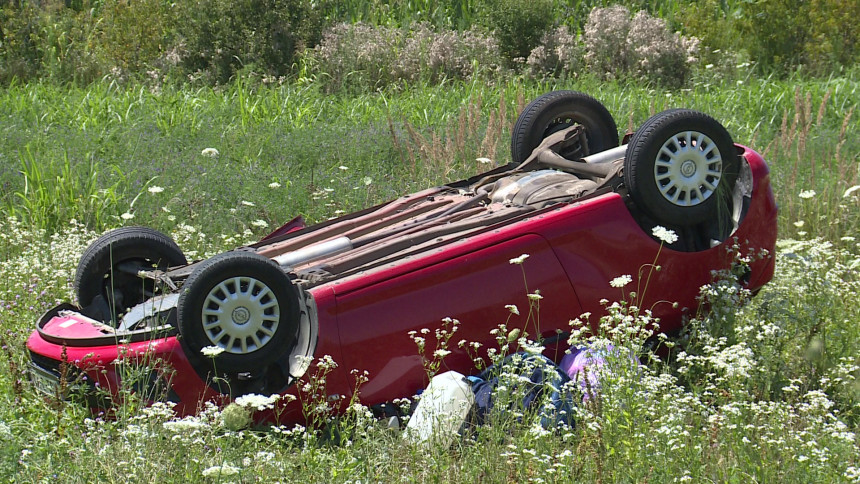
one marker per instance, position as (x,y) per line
(765,392)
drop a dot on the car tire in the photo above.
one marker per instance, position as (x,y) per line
(680,167)
(558,110)
(243,304)
(109,266)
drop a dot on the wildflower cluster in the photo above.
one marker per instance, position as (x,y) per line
(38,269)
(443,335)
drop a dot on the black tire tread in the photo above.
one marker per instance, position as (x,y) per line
(523,138)
(95,261)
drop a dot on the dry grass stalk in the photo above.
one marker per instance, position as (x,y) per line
(465,140)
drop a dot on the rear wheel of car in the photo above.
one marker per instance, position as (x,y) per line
(243,307)
(558,110)
(681,167)
(109,267)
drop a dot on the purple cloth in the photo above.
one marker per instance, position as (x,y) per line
(585,366)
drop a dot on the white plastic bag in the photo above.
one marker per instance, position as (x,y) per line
(442,410)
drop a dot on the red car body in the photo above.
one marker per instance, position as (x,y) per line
(362,319)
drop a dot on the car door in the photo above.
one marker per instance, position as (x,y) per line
(470,284)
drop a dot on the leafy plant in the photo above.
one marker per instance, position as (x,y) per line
(55,193)
(222,38)
(517,26)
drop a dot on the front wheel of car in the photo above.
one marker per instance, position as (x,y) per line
(680,168)
(109,268)
(242,308)
(558,110)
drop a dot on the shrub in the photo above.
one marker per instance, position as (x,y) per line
(517,25)
(357,54)
(723,52)
(221,37)
(643,47)
(779,35)
(560,53)
(48,41)
(132,33)
(606,41)
(448,54)
(834,39)
(657,54)
(360,57)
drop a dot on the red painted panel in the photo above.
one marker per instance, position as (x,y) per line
(473,288)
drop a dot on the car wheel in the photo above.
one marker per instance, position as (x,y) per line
(558,110)
(243,304)
(109,267)
(681,167)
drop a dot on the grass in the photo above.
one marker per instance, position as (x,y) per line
(123,138)
(768,391)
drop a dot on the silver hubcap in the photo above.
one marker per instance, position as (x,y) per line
(688,168)
(241,315)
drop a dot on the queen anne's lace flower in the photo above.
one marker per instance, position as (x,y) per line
(257,402)
(664,234)
(519,260)
(211,351)
(621,281)
(223,470)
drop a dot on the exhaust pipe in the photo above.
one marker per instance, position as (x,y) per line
(313,252)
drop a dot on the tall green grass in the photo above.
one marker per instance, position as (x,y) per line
(113,140)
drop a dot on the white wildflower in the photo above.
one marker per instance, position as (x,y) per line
(664,234)
(483,160)
(248,204)
(535,296)
(211,351)
(260,223)
(257,402)
(519,260)
(807,194)
(210,152)
(274,185)
(185,425)
(326,363)
(367,180)
(513,309)
(621,281)
(343,168)
(220,471)
(127,216)
(155,189)
(799,223)
(441,353)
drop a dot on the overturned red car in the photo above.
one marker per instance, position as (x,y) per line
(253,320)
